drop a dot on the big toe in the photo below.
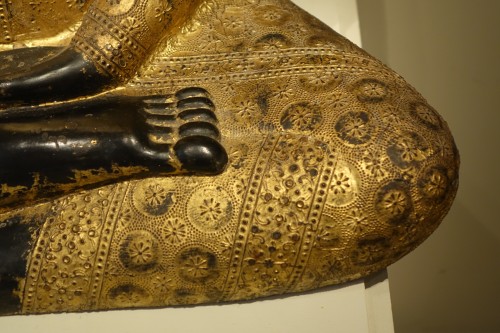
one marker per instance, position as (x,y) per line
(201,154)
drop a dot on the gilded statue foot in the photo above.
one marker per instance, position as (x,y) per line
(336,167)
(85,145)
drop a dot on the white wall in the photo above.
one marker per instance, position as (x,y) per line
(450,51)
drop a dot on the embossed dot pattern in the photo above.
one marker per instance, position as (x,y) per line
(337,169)
(24,20)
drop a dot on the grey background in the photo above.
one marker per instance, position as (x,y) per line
(450,51)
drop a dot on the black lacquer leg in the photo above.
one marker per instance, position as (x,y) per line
(96,143)
(64,76)
(79,146)
(15,244)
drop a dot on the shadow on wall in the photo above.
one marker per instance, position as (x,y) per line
(450,284)
(449,51)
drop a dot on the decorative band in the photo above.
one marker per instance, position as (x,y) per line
(6,29)
(109,46)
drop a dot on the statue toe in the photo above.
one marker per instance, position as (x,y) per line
(201,154)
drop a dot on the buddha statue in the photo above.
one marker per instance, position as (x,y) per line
(171,152)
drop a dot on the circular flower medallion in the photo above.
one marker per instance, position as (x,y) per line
(271,15)
(301,117)
(393,203)
(408,149)
(355,127)
(158,14)
(210,209)
(197,265)
(434,184)
(370,250)
(320,81)
(139,251)
(272,41)
(129,296)
(153,197)
(232,22)
(174,231)
(371,91)
(426,115)
(246,108)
